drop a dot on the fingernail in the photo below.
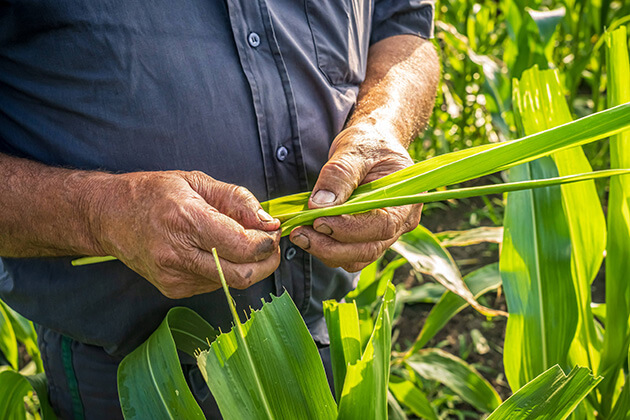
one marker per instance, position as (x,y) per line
(302,241)
(264,216)
(324,197)
(324,228)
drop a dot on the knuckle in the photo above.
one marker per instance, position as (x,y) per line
(344,168)
(166,258)
(390,227)
(371,251)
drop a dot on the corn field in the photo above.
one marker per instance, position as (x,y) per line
(536,96)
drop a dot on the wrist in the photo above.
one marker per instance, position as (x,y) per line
(369,140)
(89,193)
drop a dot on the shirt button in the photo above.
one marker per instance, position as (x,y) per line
(281,153)
(254,39)
(290,253)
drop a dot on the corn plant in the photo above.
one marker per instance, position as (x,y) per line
(24,393)
(269,368)
(553,246)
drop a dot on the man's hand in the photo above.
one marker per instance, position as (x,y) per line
(394,103)
(163,225)
(352,242)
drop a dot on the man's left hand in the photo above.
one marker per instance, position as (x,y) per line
(357,156)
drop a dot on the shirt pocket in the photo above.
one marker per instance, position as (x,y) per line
(341,34)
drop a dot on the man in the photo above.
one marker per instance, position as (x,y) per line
(151,130)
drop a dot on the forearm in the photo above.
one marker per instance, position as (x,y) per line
(398,93)
(44,210)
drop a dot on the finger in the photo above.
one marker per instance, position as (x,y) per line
(232,241)
(197,273)
(375,225)
(238,276)
(232,200)
(334,253)
(339,177)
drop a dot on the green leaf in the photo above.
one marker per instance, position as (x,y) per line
(342,320)
(425,254)
(490,159)
(25,333)
(151,384)
(372,282)
(479,282)
(616,338)
(39,384)
(425,293)
(551,395)
(599,310)
(268,367)
(8,343)
(536,263)
(282,379)
(471,236)
(448,169)
(581,206)
(394,410)
(364,393)
(546,21)
(412,397)
(15,387)
(454,373)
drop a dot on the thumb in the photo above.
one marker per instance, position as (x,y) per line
(339,177)
(234,201)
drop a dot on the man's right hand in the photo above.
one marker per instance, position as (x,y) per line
(163,225)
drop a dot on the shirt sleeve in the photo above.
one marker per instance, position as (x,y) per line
(398,17)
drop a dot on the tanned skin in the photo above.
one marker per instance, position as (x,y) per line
(164,224)
(394,104)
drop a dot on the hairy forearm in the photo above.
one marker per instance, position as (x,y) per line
(398,93)
(43,209)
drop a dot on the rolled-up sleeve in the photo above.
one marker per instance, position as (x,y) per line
(398,17)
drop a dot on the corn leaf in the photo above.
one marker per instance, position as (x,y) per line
(15,387)
(454,373)
(492,158)
(8,343)
(394,410)
(615,347)
(536,262)
(479,282)
(373,282)
(268,367)
(551,395)
(445,170)
(364,393)
(429,292)
(151,383)
(25,334)
(342,320)
(426,255)
(468,237)
(544,107)
(412,397)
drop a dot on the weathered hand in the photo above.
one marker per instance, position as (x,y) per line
(357,156)
(163,225)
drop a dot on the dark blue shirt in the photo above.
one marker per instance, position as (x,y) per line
(251,92)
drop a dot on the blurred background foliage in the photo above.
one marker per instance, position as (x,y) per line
(485,44)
